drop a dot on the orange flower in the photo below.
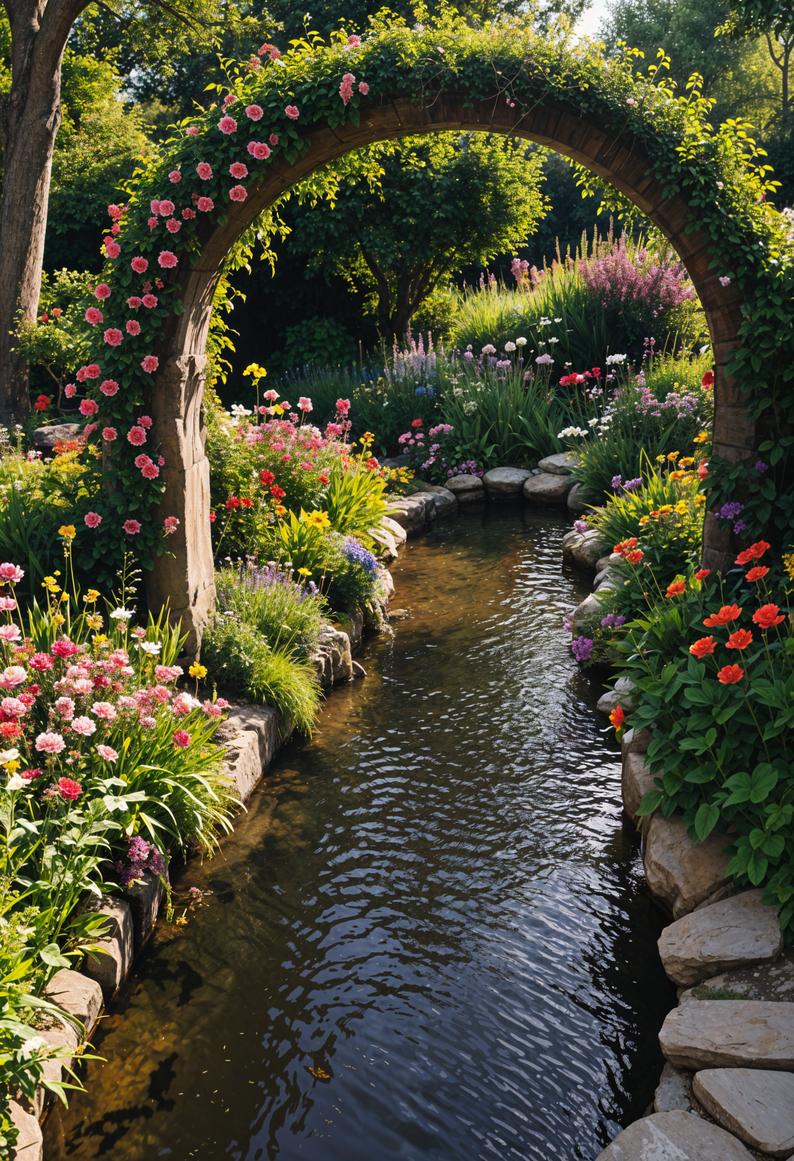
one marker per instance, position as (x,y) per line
(623,545)
(739,639)
(754,552)
(675,589)
(617,717)
(767,616)
(703,471)
(730,674)
(703,647)
(756,574)
(702,573)
(726,614)
(635,556)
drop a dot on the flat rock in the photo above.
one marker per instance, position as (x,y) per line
(110,961)
(443,500)
(681,873)
(764,981)
(621,695)
(332,657)
(412,512)
(396,530)
(505,483)
(386,584)
(605,561)
(547,488)
(674,1091)
(251,735)
(674,1136)
(580,500)
(561,464)
(46,439)
(729,1034)
(754,1104)
(584,549)
(76,994)
(466,489)
(636,782)
(728,934)
(30,1142)
(145,897)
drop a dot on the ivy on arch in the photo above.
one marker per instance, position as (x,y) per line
(285,114)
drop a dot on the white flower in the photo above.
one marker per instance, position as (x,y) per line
(150,647)
(521,341)
(16,783)
(489,349)
(613,359)
(121,614)
(571,433)
(31,1046)
(558,320)
(544,360)
(553,339)
(592,422)
(240,412)
(469,407)
(7,756)
(510,347)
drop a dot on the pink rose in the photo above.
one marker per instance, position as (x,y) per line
(150,363)
(145,421)
(112,248)
(131,527)
(70,390)
(167,259)
(92,519)
(69,789)
(150,471)
(363,88)
(132,327)
(173,225)
(175,177)
(113,336)
(259,150)
(140,264)
(292,112)
(205,205)
(149,301)
(102,291)
(109,434)
(273,139)
(238,193)
(50,743)
(136,436)
(108,753)
(88,407)
(227,125)
(109,387)
(204,171)
(94,316)
(134,302)
(254,112)
(170,525)
(238,170)
(166,208)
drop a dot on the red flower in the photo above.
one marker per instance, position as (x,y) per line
(739,639)
(767,616)
(726,614)
(42,402)
(69,789)
(417,423)
(323,478)
(635,556)
(703,647)
(730,674)
(756,574)
(266,478)
(617,718)
(707,380)
(702,573)
(277,493)
(245,502)
(232,502)
(754,552)
(675,589)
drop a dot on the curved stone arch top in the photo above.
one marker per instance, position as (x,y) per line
(184,577)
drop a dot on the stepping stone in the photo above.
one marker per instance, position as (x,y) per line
(587,615)
(466,489)
(584,549)
(682,873)
(674,1136)
(412,512)
(729,934)
(505,483)
(580,500)
(561,464)
(729,1034)
(755,1105)
(636,781)
(766,981)
(547,488)
(674,1091)
(77,995)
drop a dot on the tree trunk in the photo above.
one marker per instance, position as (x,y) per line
(31,118)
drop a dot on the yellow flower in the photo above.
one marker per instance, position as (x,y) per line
(686,462)
(677,475)
(198,671)
(700,499)
(317,519)
(67,531)
(12,766)
(255,371)
(58,620)
(278,409)
(91,596)
(788,564)
(304,572)
(701,437)
(101,640)
(94,621)
(673,456)
(280,510)
(660,459)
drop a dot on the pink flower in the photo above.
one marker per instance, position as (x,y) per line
(102,291)
(150,363)
(292,112)
(110,387)
(94,316)
(89,430)
(167,259)
(273,139)
(205,205)
(133,302)
(14,707)
(104,710)
(69,789)
(238,193)
(149,301)
(7,604)
(70,390)
(173,225)
(88,407)
(227,125)
(89,371)
(113,336)
(238,170)
(363,88)
(145,421)
(50,743)
(84,726)
(192,131)
(10,633)
(204,171)
(136,436)
(132,527)
(346,87)
(141,460)
(115,212)
(175,177)
(254,112)
(150,471)
(354,41)
(166,208)
(151,222)
(140,264)
(181,739)
(42,662)
(304,404)
(109,434)
(108,753)
(259,150)
(342,406)
(170,525)
(188,214)
(132,327)
(64,707)
(11,573)
(112,248)
(154,205)
(724,280)
(64,648)
(92,519)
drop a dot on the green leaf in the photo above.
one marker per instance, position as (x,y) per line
(706,819)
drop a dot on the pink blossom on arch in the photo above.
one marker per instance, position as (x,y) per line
(166,208)
(89,371)
(152,222)
(363,88)
(167,259)
(149,301)
(109,434)
(173,225)
(131,527)
(89,430)
(112,248)
(150,363)
(254,112)
(175,176)
(139,264)
(132,327)
(192,131)
(154,205)
(227,125)
(136,436)
(238,170)
(259,150)
(102,291)
(238,193)
(205,205)
(145,421)
(292,111)
(188,214)
(346,88)
(134,301)
(109,387)
(94,316)
(274,139)
(115,212)
(88,407)
(170,525)
(150,471)
(204,170)
(113,336)
(92,519)
(141,460)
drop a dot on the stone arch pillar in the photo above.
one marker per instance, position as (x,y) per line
(185,578)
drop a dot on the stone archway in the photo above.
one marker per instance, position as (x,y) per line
(515,84)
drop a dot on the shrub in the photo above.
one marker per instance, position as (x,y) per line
(288,615)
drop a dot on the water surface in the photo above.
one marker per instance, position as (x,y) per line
(429,938)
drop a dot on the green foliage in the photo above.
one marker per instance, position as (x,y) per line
(285,613)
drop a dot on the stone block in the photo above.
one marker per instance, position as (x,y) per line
(30,1143)
(682,873)
(467,489)
(674,1136)
(755,1105)
(395,530)
(730,1034)
(584,548)
(412,512)
(580,500)
(111,960)
(763,981)
(621,695)
(547,488)
(561,464)
(636,782)
(145,897)
(674,1091)
(443,501)
(729,934)
(78,995)
(505,483)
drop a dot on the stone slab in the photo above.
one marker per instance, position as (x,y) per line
(635,741)
(580,500)
(674,1091)
(46,439)
(621,695)
(729,1034)
(145,898)
(505,483)
(396,530)
(584,548)
(30,1142)
(755,1105)
(547,488)
(443,500)
(586,615)
(674,1136)
(766,981)
(412,512)
(78,995)
(729,934)
(681,873)
(333,658)
(110,963)
(466,488)
(561,464)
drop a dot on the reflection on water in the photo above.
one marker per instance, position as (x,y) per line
(428,938)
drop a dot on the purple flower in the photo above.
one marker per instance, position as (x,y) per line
(739,527)
(580,525)
(582,648)
(730,510)
(617,483)
(761,467)
(613,621)
(632,485)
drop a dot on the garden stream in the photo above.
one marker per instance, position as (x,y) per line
(428,938)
